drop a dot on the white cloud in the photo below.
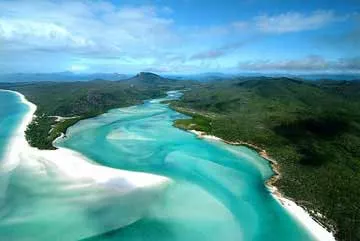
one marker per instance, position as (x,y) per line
(36,34)
(83,27)
(284,22)
(240,25)
(223,50)
(294,21)
(47,35)
(78,68)
(309,63)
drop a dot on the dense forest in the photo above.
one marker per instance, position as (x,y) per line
(81,100)
(311,128)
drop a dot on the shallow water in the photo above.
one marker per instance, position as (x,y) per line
(41,201)
(218,193)
(11,112)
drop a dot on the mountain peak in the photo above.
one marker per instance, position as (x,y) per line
(147,75)
(149,79)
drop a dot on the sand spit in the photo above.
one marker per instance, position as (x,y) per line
(80,185)
(71,163)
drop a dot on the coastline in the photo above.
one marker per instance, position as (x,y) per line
(18,138)
(69,184)
(298,212)
(102,175)
(69,163)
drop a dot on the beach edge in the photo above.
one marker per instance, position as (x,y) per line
(298,212)
(18,144)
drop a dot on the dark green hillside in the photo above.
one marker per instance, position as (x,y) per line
(150,80)
(83,100)
(311,128)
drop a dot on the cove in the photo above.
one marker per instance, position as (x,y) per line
(218,190)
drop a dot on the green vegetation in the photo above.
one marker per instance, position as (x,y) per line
(84,100)
(311,128)
(200,122)
(43,130)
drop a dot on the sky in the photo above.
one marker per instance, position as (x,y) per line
(180,36)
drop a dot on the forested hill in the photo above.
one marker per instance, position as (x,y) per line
(152,80)
(81,100)
(311,128)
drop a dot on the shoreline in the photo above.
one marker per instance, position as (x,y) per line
(18,137)
(299,213)
(80,183)
(66,161)
(18,145)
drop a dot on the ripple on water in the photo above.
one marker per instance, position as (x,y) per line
(219,191)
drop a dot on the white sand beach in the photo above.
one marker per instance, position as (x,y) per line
(65,183)
(70,163)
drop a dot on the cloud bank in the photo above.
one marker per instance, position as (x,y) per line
(82,26)
(310,63)
(103,36)
(294,22)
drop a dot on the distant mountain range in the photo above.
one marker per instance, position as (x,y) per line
(202,77)
(214,76)
(60,76)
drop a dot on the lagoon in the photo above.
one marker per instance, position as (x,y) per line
(216,191)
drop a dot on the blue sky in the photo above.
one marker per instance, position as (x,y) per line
(180,36)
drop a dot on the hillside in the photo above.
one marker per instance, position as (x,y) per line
(311,128)
(82,100)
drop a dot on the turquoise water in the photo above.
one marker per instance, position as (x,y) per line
(218,191)
(11,112)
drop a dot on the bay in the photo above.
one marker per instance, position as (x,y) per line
(218,193)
